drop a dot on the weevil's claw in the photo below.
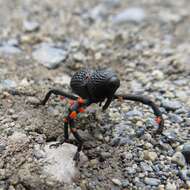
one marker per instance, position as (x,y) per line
(76,158)
(55,145)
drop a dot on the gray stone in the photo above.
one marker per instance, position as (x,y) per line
(125,140)
(105,155)
(140,132)
(13,42)
(32,100)
(63,79)
(171,105)
(134,113)
(9,49)
(7,84)
(60,165)
(49,56)
(79,57)
(130,170)
(170,135)
(133,14)
(96,13)
(2,147)
(150,122)
(116,182)
(185,174)
(2,174)
(179,159)
(171,186)
(152,181)
(111,3)
(125,183)
(18,138)
(145,167)
(175,118)
(149,155)
(30,26)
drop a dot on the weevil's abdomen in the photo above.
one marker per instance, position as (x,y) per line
(95,85)
(103,84)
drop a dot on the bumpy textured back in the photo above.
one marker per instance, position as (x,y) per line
(95,85)
(79,82)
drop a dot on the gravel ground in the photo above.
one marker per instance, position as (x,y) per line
(42,43)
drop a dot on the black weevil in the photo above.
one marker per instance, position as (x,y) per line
(95,86)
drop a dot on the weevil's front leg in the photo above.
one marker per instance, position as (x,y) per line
(79,139)
(66,135)
(57,92)
(74,110)
(146,101)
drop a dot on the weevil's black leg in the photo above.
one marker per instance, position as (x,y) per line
(80,141)
(78,107)
(66,135)
(57,92)
(146,101)
(108,102)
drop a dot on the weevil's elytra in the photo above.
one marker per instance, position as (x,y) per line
(95,86)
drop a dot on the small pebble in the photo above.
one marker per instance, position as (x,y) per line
(179,159)
(125,183)
(171,186)
(145,167)
(49,56)
(150,155)
(32,100)
(9,49)
(171,105)
(174,118)
(116,182)
(152,181)
(30,26)
(133,14)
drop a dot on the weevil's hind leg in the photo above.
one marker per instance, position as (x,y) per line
(57,92)
(79,148)
(66,136)
(79,139)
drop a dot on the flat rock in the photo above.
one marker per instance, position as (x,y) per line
(30,26)
(59,162)
(171,105)
(149,155)
(152,181)
(179,159)
(18,138)
(9,49)
(7,84)
(63,79)
(133,14)
(49,56)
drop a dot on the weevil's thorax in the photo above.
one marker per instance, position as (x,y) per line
(95,85)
